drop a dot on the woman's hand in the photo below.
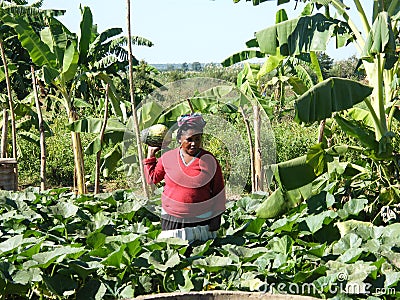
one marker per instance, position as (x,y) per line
(151,151)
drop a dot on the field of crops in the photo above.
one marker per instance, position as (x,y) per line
(61,246)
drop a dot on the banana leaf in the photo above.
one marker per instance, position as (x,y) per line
(381,39)
(70,62)
(86,33)
(331,95)
(294,173)
(242,56)
(12,68)
(361,115)
(111,160)
(353,128)
(38,51)
(300,35)
(280,202)
(93,125)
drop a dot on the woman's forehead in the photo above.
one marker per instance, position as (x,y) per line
(191,133)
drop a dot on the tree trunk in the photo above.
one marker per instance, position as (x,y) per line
(11,107)
(79,170)
(321,131)
(249,137)
(101,137)
(4,134)
(42,136)
(258,171)
(78,159)
(132,93)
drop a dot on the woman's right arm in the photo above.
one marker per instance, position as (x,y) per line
(154,170)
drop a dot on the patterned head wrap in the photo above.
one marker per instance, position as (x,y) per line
(194,119)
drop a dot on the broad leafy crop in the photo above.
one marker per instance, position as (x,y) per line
(58,245)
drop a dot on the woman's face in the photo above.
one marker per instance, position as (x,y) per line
(191,141)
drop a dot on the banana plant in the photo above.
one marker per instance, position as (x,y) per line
(336,97)
(60,53)
(8,68)
(55,51)
(377,51)
(105,53)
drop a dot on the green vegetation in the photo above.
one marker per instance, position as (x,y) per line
(57,244)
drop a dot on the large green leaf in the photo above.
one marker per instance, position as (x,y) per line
(110,138)
(365,136)
(273,206)
(279,202)
(300,35)
(11,244)
(243,253)
(270,64)
(213,263)
(91,125)
(315,222)
(242,56)
(332,95)
(116,101)
(12,68)
(381,39)
(362,115)
(44,259)
(281,16)
(148,113)
(304,76)
(317,158)
(294,173)
(55,37)
(163,260)
(61,284)
(86,33)
(111,160)
(70,62)
(64,209)
(298,85)
(38,51)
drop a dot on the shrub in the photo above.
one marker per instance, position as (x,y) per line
(293,140)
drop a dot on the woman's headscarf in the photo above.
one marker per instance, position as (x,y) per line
(194,119)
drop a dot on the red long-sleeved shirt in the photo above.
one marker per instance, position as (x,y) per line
(189,190)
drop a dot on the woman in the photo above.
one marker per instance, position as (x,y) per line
(193,198)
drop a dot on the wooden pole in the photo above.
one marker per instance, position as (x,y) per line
(258,172)
(4,134)
(11,107)
(42,136)
(249,137)
(133,105)
(101,137)
(190,105)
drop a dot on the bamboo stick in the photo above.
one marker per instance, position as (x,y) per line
(101,137)
(132,94)
(42,136)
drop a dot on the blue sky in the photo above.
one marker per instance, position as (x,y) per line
(185,30)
